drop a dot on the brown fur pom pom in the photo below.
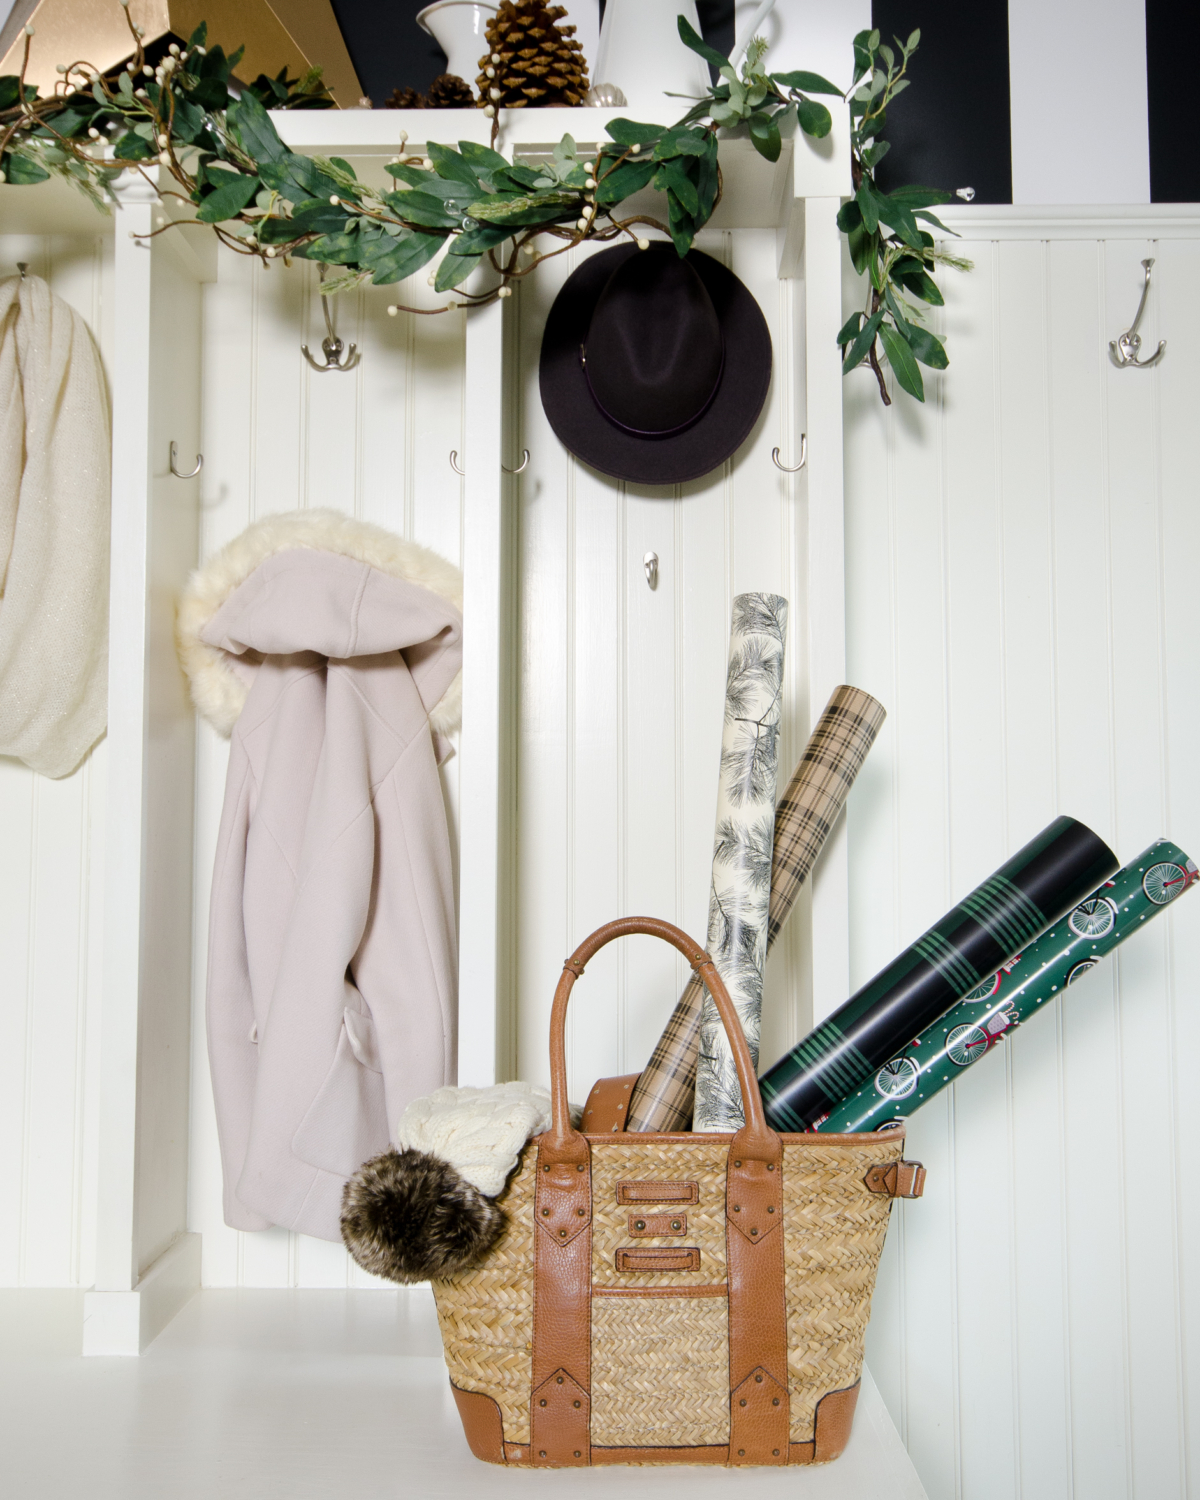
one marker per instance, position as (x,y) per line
(411,1217)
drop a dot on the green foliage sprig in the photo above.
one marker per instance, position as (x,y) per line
(229,163)
(884,231)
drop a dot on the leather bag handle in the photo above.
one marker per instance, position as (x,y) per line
(754,1138)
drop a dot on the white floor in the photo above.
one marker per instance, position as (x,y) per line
(292,1395)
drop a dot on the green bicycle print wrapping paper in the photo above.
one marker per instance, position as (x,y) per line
(1018,990)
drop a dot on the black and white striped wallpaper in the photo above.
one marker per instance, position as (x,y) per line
(1027,101)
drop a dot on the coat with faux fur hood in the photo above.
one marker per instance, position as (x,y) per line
(330,651)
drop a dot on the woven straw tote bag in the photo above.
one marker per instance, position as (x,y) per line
(679,1298)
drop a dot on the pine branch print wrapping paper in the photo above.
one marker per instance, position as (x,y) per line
(807,812)
(743,847)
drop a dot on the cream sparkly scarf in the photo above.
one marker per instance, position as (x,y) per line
(54,531)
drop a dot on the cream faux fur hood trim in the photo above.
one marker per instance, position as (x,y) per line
(218,693)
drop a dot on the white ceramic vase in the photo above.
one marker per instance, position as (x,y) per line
(641,53)
(459,29)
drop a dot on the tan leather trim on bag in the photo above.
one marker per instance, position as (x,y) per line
(608,1104)
(758,1371)
(651,1258)
(562,1307)
(707,1455)
(896,1179)
(832,1423)
(708,1289)
(560,1418)
(661,1226)
(482,1424)
(660,1192)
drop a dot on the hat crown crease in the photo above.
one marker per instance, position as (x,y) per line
(654,351)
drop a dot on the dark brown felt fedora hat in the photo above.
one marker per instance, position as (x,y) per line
(654,369)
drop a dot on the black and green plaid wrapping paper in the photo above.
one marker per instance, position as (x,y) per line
(836,749)
(1019,990)
(1040,883)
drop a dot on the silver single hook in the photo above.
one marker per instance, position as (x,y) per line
(795,469)
(1124,351)
(23,267)
(522,466)
(331,346)
(195,471)
(650,563)
(454,463)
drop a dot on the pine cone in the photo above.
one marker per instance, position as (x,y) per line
(404,99)
(449,91)
(533,60)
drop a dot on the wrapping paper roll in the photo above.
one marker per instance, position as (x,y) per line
(968,1031)
(743,848)
(664,1094)
(1039,884)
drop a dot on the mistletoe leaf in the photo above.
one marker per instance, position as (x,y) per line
(227,201)
(483,237)
(861,346)
(764,132)
(679,141)
(423,208)
(815,119)
(920,284)
(672,176)
(630,133)
(22,170)
(806,83)
(453,270)
(689,38)
(621,182)
(849,328)
(451,165)
(392,259)
(481,157)
(900,357)
(255,133)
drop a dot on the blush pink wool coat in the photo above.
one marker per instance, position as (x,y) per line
(331,958)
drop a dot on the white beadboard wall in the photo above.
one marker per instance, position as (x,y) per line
(277,435)
(1021,558)
(621,694)
(51,909)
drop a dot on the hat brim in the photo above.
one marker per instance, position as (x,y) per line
(726,423)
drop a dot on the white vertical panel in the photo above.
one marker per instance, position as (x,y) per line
(51,836)
(277,435)
(1018,553)
(621,691)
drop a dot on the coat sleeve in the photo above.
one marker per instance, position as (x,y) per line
(232,1032)
(406,967)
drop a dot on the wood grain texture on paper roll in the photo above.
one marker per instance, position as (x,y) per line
(743,849)
(1028,893)
(836,749)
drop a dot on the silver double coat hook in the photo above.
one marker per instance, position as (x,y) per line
(331,346)
(1124,350)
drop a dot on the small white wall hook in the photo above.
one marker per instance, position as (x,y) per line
(23,267)
(521,467)
(195,471)
(650,563)
(331,346)
(1124,351)
(795,469)
(454,463)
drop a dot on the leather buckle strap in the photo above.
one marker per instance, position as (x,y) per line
(896,1179)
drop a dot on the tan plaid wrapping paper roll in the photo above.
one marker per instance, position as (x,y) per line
(662,1098)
